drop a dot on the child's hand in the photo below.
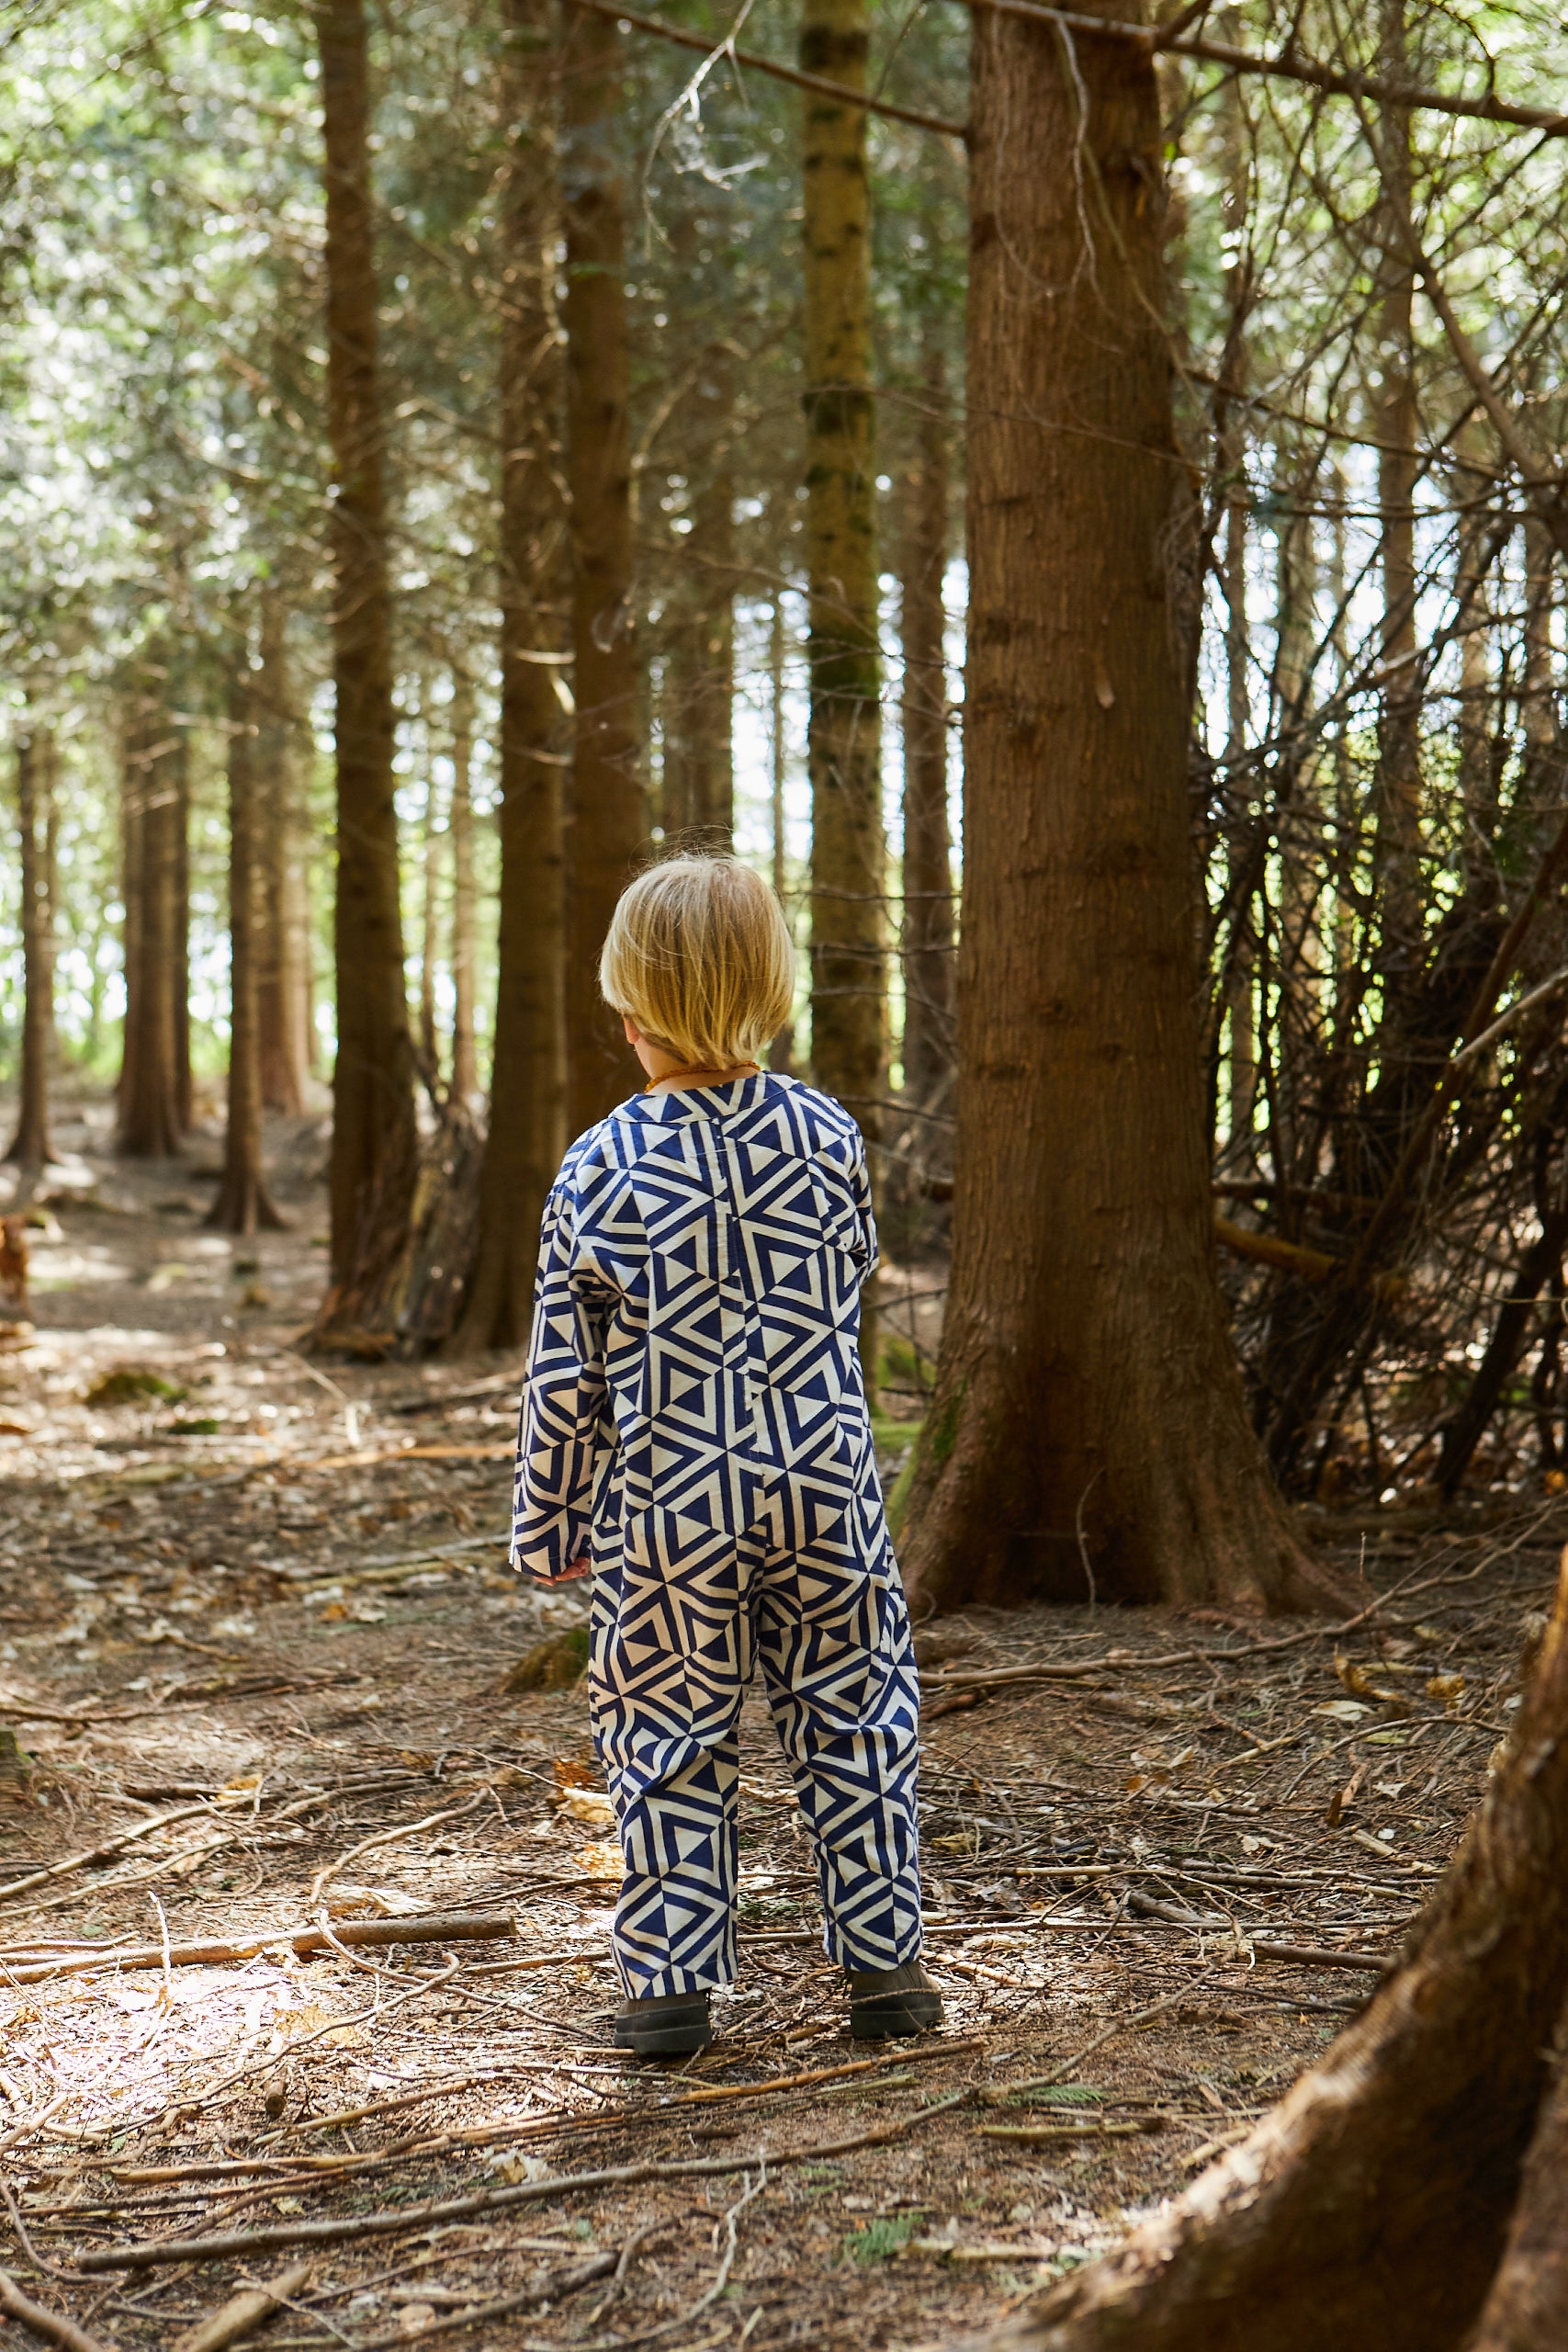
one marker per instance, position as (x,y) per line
(579,1568)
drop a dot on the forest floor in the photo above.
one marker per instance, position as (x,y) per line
(255,1629)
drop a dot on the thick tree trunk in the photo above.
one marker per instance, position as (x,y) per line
(1383,2203)
(608,827)
(849,854)
(283,946)
(242,1204)
(699,764)
(460,824)
(1526,2309)
(1241,973)
(926,947)
(30,1144)
(1088,1432)
(150,1125)
(374,1144)
(781,1053)
(527,1102)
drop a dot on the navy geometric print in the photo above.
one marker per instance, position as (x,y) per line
(694,1419)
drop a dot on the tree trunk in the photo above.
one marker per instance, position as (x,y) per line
(1398,2197)
(31,1144)
(241,1204)
(374,1144)
(781,1053)
(849,858)
(1527,2308)
(460,823)
(527,1102)
(179,983)
(608,816)
(926,948)
(283,918)
(430,939)
(699,764)
(1242,964)
(1088,1433)
(150,1125)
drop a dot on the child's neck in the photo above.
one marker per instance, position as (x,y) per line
(670,1078)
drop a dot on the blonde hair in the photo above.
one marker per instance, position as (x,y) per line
(699,955)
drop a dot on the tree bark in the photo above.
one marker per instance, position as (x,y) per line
(242,1204)
(430,939)
(527,1102)
(849,858)
(1242,964)
(374,1144)
(608,828)
(927,945)
(1087,1430)
(31,1144)
(781,1053)
(153,804)
(1382,2204)
(699,763)
(460,824)
(283,945)
(1527,2307)
(179,981)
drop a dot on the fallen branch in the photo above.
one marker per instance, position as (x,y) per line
(54,2326)
(550,2289)
(325,1876)
(1038,2133)
(184,1695)
(1213,1923)
(242,2313)
(243,2244)
(112,1848)
(431,1927)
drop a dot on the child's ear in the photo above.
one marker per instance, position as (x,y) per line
(634,1034)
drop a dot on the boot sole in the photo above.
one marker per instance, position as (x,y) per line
(678,2035)
(888,2014)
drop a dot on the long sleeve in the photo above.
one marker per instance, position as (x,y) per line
(866,1251)
(563,1403)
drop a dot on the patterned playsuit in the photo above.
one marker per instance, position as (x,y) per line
(694,1418)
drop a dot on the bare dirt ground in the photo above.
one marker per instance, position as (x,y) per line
(254,1629)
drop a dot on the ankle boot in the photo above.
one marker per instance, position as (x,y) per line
(665,2025)
(884,2001)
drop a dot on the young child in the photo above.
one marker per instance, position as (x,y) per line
(694,1430)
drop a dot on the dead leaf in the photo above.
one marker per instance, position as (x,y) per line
(590,1805)
(601,1861)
